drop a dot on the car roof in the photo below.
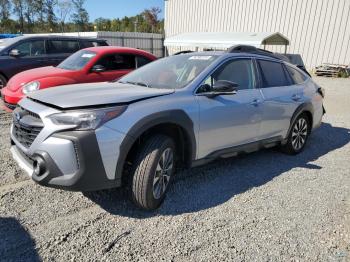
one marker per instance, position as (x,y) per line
(23,37)
(109,49)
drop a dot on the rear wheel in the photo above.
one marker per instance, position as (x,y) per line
(153,170)
(298,136)
(3,81)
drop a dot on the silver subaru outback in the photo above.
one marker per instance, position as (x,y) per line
(180,111)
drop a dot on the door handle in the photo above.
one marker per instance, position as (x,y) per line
(255,102)
(296,97)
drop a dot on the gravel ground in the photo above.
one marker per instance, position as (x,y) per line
(265,206)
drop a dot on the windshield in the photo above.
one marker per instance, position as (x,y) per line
(77,60)
(172,72)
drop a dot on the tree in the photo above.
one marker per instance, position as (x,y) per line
(29,13)
(5,8)
(43,16)
(80,16)
(103,24)
(115,25)
(50,13)
(39,9)
(64,7)
(18,9)
(151,16)
(6,23)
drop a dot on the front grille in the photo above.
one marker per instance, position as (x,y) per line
(26,127)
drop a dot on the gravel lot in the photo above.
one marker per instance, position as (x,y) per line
(262,206)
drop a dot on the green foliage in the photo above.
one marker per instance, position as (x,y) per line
(343,73)
(80,17)
(138,23)
(45,16)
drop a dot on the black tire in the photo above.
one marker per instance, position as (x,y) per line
(3,81)
(146,172)
(297,136)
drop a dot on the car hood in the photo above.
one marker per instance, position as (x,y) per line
(25,77)
(96,94)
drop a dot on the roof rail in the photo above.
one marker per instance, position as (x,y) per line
(258,51)
(183,52)
(255,50)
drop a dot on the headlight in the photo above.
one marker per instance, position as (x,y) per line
(87,119)
(30,87)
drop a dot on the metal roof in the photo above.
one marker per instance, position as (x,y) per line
(226,39)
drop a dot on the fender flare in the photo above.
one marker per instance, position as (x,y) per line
(178,117)
(304,107)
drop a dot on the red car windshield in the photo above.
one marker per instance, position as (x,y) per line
(77,60)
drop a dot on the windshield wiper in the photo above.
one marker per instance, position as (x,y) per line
(134,83)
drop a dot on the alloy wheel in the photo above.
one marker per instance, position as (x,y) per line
(163,173)
(299,134)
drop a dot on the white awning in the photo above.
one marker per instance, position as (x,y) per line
(226,39)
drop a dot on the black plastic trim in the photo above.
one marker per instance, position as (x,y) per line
(91,174)
(233,151)
(178,117)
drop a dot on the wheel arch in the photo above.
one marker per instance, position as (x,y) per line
(305,108)
(173,123)
(4,76)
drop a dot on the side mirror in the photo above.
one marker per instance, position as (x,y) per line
(221,87)
(98,69)
(224,87)
(15,53)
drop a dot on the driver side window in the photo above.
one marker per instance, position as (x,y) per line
(118,62)
(239,71)
(31,48)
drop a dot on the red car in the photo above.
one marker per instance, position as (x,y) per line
(95,64)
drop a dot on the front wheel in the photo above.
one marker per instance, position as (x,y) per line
(153,170)
(298,136)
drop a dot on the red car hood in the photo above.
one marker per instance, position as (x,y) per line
(25,77)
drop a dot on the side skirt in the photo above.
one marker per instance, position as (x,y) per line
(236,150)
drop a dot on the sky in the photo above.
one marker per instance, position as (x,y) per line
(120,8)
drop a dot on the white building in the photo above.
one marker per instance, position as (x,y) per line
(319,30)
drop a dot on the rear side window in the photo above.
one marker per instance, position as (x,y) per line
(118,62)
(141,61)
(63,46)
(297,77)
(272,74)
